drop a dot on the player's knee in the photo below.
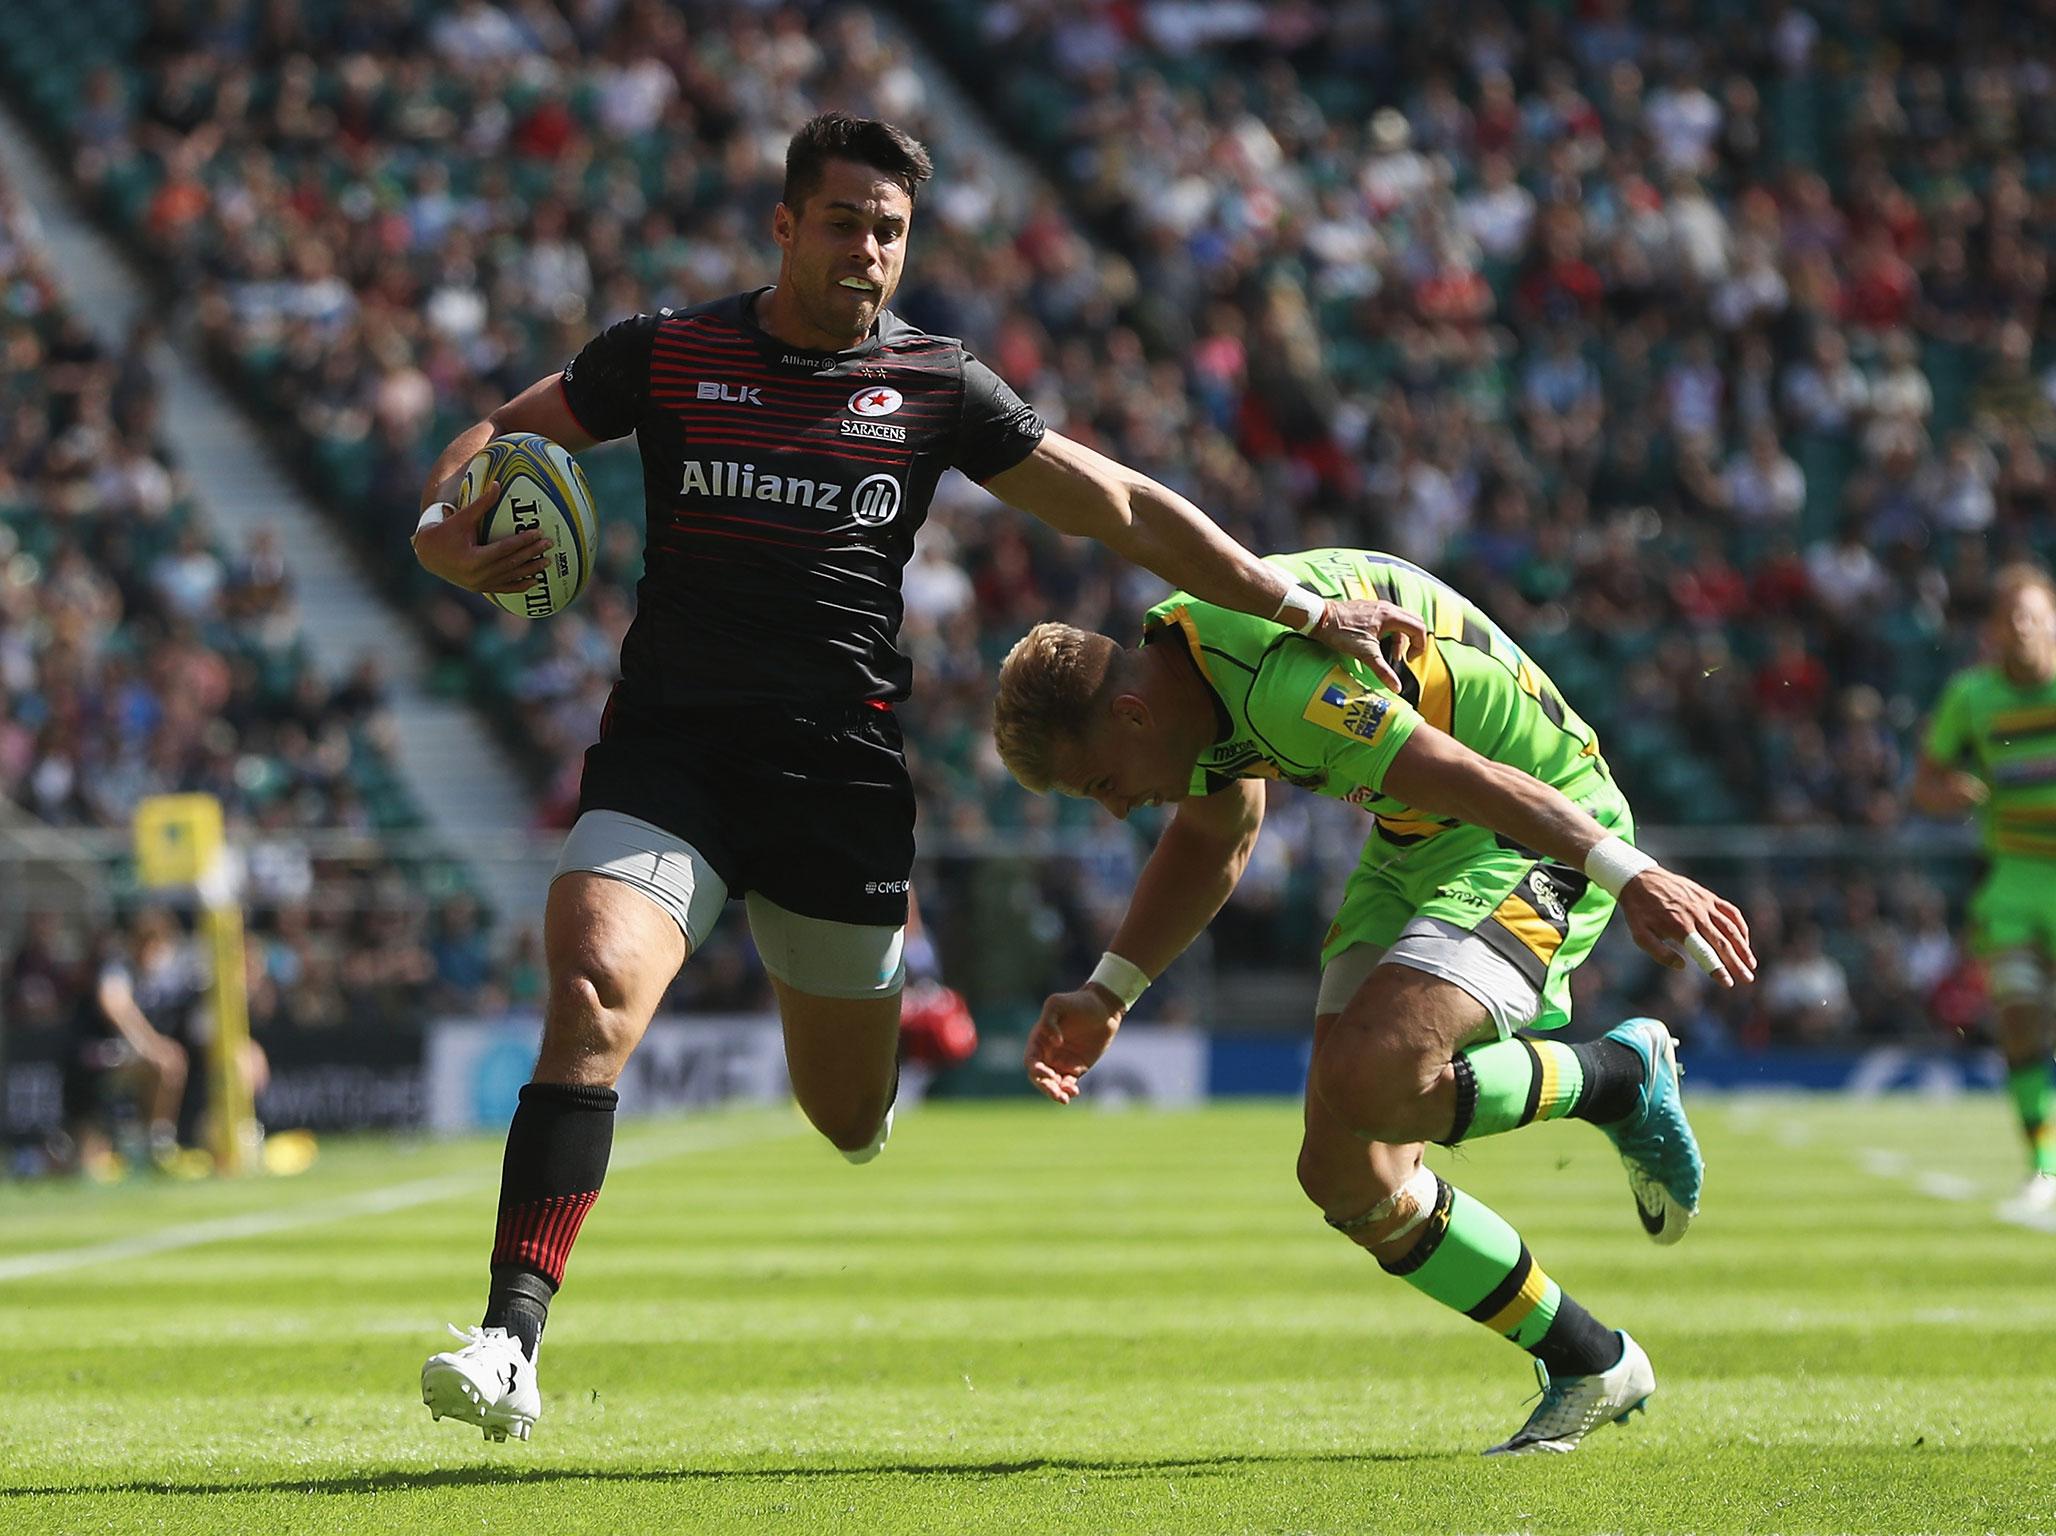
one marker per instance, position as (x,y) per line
(588,1009)
(1372,1083)
(1388,1212)
(1334,1179)
(1317,1176)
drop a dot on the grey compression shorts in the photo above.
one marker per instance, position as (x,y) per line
(1441,949)
(809,954)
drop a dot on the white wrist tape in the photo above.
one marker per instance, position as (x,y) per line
(432,515)
(1125,980)
(1300,609)
(1613,863)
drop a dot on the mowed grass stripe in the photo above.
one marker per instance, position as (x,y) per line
(268,1207)
(1040,1320)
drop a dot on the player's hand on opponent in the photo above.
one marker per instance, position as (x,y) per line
(1073,1033)
(1355,629)
(450,549)
(1673,919)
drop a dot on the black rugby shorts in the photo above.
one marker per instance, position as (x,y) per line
(812,809)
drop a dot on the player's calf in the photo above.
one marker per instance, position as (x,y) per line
(1453,1249)
(2020,990)
(1387,1089)
(1395,1066)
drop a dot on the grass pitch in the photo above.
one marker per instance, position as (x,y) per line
(1032,1319)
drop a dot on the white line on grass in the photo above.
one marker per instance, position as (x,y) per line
(1946,1186)
(371,1202)
(1886,1163)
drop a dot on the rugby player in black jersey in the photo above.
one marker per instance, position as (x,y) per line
(791,440)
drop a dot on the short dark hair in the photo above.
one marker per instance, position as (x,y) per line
(866,140)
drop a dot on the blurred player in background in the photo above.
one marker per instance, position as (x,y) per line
(1992,745)
(140,1034)
(791,440)
(130,1041)
(1500,848)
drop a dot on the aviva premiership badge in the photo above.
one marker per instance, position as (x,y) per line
(1343,705)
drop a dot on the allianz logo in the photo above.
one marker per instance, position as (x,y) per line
(873,500)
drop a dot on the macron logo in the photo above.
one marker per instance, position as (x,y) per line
(743,394)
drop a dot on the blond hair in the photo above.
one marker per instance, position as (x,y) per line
(2016,577)
(1048,686)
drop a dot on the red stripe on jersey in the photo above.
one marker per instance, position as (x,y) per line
(751,361)
(789,395)
(719,533)
(766,410)
(766,416)
(781,400)
(777,430)
(798,443)
(680,514)
(714,369)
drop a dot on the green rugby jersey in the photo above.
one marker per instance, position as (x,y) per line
(1291,709)
(2009,734)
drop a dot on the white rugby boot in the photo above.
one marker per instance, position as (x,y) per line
(2035,1198)
(489,1382)
(1573,1406)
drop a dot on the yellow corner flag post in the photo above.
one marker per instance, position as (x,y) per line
(180,845)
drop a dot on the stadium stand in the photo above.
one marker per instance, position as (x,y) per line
(139,656)
(1714,367)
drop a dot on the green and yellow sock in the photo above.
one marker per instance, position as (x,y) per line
(1472,1262)
(2034,1096)
(1511,1083)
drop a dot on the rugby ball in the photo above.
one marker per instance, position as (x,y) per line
(541,487)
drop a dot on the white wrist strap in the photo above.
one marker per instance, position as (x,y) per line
(1613,863)
(1125,980)
(1300,609)
(433,514)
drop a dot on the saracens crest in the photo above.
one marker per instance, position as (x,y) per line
(878,400)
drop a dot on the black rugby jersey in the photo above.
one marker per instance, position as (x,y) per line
(783,489)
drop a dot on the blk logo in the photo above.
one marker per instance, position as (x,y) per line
(735,394)
(879,400)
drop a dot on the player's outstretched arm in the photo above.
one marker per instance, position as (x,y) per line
(1190,873)
(447,545)
(1669,916)
(1076,490)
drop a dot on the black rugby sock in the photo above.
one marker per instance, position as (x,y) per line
(556,1159)
(1613,1081)
(1577,1343)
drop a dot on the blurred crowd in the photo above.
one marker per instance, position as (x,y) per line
(1703,344)
(139,656)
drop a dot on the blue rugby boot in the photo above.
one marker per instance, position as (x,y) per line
(1656,1143)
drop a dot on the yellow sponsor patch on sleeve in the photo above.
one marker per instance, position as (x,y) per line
(1345,706)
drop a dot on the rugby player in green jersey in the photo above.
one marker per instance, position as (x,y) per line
(2001,718)
(1499,848)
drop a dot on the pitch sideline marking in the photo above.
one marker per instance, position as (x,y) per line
(374,1202)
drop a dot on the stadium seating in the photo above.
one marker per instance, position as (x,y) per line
(141,655)
(1520,309)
